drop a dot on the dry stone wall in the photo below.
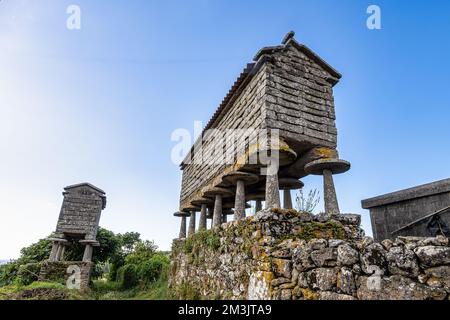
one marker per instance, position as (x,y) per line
(284,254)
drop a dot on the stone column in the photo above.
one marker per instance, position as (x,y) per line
(88,250)
(202,222)
(329,193)
(217,194)
(62,254)
(327,167)
(182,215)
(183,228)
(217,214)
(239,204)
(191,229)
(287,184)
(287,200)
(240,180)
(272,191)
(53,253)
(57,248)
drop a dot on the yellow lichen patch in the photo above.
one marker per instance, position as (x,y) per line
(326,152)
(309,294)
(281,266)
(268,276)
(265,266)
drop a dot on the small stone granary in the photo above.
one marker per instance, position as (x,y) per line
(420,211)
(78,221)
(287,92)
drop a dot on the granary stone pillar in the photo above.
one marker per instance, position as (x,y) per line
(327,167)
(57,249)
(240,180)
(287,199)
(202,222)
(272,191)
(191,229)
(217,214)
(288,184)
(203,203)
(281,155)
(329,193)
(258,198)
(88,250)
(183,216)
(217,194)
(60,253)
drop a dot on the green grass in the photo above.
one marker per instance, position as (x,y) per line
(101,290)
(107,290)
(14,290)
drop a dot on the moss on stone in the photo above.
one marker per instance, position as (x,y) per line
(316,230)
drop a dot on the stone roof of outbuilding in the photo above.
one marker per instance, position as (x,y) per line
(421,191)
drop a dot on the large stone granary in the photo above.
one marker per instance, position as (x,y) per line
(287,90)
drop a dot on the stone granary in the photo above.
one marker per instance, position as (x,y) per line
(78,220)
(420,211)
(287,92)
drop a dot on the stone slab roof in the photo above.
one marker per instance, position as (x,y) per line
(84,184)
(425,190)
(304,49)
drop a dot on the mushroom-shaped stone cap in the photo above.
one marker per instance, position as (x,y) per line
(285,154)
(233,177)
(54,239)
(255,196)
(181,214)
(290,184)
(212,192)
(93,243)
(336,166)
(191,208)
(200,201)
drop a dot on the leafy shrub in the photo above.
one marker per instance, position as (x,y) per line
(28,273)
(151,270)
(128,276)
(8,273)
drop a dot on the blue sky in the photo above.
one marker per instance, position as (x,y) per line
(99,104)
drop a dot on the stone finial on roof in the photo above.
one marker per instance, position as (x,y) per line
(288,37)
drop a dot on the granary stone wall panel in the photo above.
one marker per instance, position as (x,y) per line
(246,112)
(300,100)
(80,212)
(288,255)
